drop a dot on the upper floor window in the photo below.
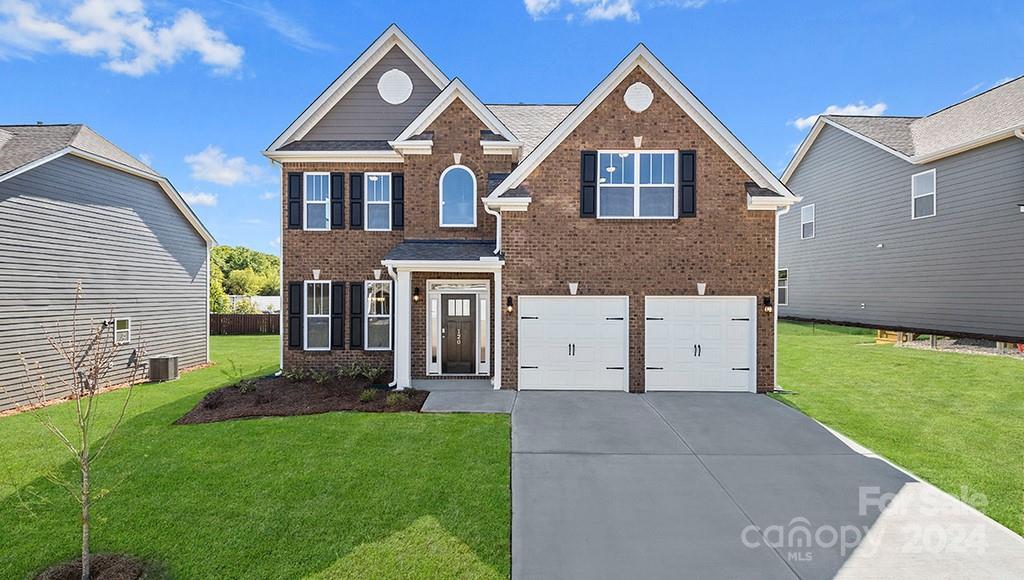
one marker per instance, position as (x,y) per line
(317,199)
(458,197)
(922,194)
(637,184)
(378,201)
(317,335)
(378,315)
(807,222)
(783,287)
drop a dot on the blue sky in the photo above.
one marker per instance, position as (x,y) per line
(199,88)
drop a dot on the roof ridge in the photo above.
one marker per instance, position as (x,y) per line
(985,92)
(531,104)
(830,115)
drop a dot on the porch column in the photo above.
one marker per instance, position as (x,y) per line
(498,307)
(403,329)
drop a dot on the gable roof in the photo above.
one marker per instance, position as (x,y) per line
(455,90)
(979,120)
(25,147)
(390,38)
(642,57)
(531,123)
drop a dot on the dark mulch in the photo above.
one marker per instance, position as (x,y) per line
(281,397)
(104,567)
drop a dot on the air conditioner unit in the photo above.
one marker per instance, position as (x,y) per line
(163,368)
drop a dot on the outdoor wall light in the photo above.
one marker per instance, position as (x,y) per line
(508,305)
(416,294)
(767,301)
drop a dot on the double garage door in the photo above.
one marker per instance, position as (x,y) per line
(691,343)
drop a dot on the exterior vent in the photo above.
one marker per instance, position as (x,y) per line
(163,368)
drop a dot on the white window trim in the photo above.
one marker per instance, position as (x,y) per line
(129,331)
(367,203)
(934,193)
(366,314)
(326,203)
(306,316)
(812,221)
(779,286)
(636,187)
(440,198)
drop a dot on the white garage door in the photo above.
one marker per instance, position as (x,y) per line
(700,343)
(573,342)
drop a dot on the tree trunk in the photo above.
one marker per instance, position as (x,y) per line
(86,563)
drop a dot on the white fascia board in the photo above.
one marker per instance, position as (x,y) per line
(641,56)
(501,147)
(391,37)
(763,203)
(507,203)
(483,265)
(455,90)
(336,156)
(413,147)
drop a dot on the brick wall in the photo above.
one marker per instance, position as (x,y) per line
(727,246)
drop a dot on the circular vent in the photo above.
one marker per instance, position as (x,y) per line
(638,97)
(394,86)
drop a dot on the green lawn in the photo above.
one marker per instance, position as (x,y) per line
(957,420)
(339,495)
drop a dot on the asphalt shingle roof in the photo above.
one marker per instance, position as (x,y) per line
(531,123)
(364,145)
(23,144)
(893,132)
(444,250)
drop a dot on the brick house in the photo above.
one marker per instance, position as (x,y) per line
(623,243)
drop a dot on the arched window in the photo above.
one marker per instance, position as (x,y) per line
(458,197)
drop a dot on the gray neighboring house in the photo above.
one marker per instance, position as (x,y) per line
(911,224)
(74,207)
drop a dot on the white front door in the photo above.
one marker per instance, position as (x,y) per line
(700,343)
(573,342)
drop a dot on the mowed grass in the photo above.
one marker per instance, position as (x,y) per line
(338,495)
(956,420)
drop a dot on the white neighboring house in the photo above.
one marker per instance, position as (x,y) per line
(265,304)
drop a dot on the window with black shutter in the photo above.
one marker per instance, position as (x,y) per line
(337,201)
(355,200)
(588,184)
(397,201)
(687,183)
(337,315)
(295,201)
(355,333)
(295,315)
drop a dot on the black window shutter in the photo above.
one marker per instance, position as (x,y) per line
(355,333)
(397,201)
(588,184)
(355,200)
(337,315)
(295,315)
(337,201)
(687,183)
(295,201)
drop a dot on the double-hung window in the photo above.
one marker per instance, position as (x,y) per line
(378,201)
(637,185)
(783,287)
(122,331)
(317,197)
(922,195)
(807,222)
(317,334)
(378,315)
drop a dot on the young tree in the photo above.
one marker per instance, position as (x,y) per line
(243,282)
(89,354)
(218,297)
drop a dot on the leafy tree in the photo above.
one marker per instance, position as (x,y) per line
(271,286)
(246,272)
(218,298)
(243,282)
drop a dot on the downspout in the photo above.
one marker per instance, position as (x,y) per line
(394,361)
(497,236)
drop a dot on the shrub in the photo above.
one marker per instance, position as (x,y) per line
(295,375)
(349,371)
(373,373)
(320,377)
(394,399)
(246,385)
(366,396)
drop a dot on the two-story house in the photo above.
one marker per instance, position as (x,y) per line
(911,224)
(624,243)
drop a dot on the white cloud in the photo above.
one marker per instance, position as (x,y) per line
(591,10)
(609,9)
(985,86)
(538,8)
(211,164)
(851,109)
(200,198)
(116,30)
(268,195)
(292,31)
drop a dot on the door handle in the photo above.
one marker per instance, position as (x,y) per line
(443,332)
(695,350)
(570,349)
(698,350)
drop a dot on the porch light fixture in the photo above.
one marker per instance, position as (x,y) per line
(376,273)
(508,305)
(416,294)
(767,301)
(573,287)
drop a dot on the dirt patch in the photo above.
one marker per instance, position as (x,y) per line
(283,397)
(104,567)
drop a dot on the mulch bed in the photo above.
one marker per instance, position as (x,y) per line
(104,567)
(282,397)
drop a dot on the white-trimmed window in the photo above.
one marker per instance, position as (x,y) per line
(317,200)
(122,331)
(807,222)
(377,187)
(922,194)
(783,287)
(317,319)
(637,185)
(458,197)
(378,315)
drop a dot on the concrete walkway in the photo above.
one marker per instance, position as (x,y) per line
(464,396)
(703,485)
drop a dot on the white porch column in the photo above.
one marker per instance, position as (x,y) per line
(403,329)
(499,305)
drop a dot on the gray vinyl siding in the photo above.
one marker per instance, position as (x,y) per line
(362,114)
(960,272)
(136,255)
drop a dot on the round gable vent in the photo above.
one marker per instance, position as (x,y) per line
(394,87)
(638,97)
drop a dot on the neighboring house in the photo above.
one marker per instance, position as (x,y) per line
(419,224)
(911,224)
(266,304)
(75,208)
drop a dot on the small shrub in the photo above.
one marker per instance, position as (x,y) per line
(246,386)
(349,371)
(366,396)
(320,377)
(395,399)
(373,373)
(295,375)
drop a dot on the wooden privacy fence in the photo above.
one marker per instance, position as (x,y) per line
(245,324)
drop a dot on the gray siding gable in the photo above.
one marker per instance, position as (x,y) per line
(363,115)
(136,255)
(958,272)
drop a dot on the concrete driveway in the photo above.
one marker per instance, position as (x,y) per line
(706,485)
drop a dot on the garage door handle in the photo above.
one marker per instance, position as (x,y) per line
(655,368)
(615,368)
(529,367)
(747,319)
(614,318)
(741,368)
(529,318)
(654,318)
(698,350)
